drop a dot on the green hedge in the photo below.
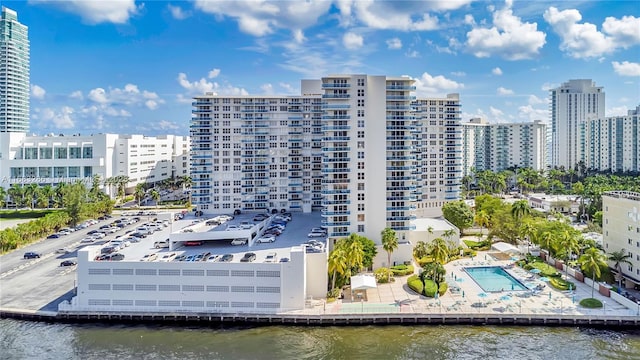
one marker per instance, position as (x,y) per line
(382,275)
(591,303)
(415,284)
(402,270)
(442,289)
(478,245)
(560,283)
(424,261)
(430,288)
(546,269)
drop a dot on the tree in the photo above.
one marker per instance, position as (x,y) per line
(519,209)
(16,193)
(48,192)
(569,244)
(74,197)
(3,197)
(482,219)
(155,195)
(439,250)
(546,241)
(459,214)
(591,262)
(619,257)
(337,264)
(420,250)
(138,193)
(389,243)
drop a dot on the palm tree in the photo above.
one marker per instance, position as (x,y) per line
(420,250)
(439,250)
(389,244)
(48,192)
(569,243)
(337,264)
(30,194)
(155,195)
(519,209)
(547,241)
(138,193)
(3,197)
(16,193)
(482,219)
(619,257)
(591,262)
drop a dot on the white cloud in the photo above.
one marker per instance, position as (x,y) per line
(77,95)
(427,84)
(96,12)
(110,101)
(548,86)
(583,40)
(98,95)
(298,36)
(626,68)
(530,113)
(288,89)
(168,125)
(412,54)
(459,73)
(352,41)
(37,92)
(151,104)
(496,71)
(262,17)
(59,119)
(509,37)
(394,44)
(214,73)
(534,100)
(497,114)
(178,13)
(202,86)
(267,89)
(617,111)
(504,91)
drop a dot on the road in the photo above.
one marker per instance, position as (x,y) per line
(42,283)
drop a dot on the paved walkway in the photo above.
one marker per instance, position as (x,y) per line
(397,297)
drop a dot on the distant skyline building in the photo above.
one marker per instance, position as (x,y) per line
(360,148)
(53,159)
(612,143)
(573,104)
(497,147)
(14,73)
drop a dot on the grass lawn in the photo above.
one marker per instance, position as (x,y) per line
(545,269)
(591,303)
(25,214)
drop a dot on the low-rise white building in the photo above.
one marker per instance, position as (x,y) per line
(621,231)
(53,159)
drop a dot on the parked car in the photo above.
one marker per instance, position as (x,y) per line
(226,258)
(62,251)
(284,259)
(53,236)
(213,257)
(319,230)
(108,250)
(271,257)
(167,257)
(115,257)
(266,239)
(238,241)
(316,234)
(139,235)
(88,240)
(161,244)
(232,227)
(248,257)
(31,255)
(68,263)
(193,243)
(149,257)
(260,217)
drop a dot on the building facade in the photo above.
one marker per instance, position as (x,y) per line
(14,73)
(573,104)
(621,230)
(497,147)
(54,159)
(612,143)
(360,148)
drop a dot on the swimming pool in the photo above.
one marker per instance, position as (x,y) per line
(494,279)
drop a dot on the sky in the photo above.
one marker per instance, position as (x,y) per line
(132,67)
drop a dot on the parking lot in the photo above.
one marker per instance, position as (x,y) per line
(295,234)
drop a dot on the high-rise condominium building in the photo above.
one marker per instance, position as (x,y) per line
(360,148)
(621,231)
(14,73)
(572,105)
(497,147)
(613,143)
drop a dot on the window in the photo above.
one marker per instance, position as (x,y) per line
(361,228)
(360,217)
(60,153)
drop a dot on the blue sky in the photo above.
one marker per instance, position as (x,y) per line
(132,66)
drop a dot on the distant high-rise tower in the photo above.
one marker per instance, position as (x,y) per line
(572,105)
(14,73)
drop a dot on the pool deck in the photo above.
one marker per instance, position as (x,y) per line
(396,297)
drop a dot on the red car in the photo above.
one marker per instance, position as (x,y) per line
(193,243)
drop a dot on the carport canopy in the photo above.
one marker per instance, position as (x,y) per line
(506,248)
(363,282)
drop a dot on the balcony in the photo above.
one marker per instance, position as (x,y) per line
(401,87)
(326,106)
(400,98)
(336,96)
(335,85)
(336,202)
(342,170)
(335,213)
(336,117)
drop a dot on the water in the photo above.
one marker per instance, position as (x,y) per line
(32,340)
(494,278)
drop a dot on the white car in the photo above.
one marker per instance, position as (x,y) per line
(99,235)
(134,239)
(167,257)
(271,258)
(316,234)
(266,239)
(239,242)
(62,251)
(88,240)
(232,228)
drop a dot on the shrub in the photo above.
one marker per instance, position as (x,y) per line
(333,293)
(430,288)
(424,261)
(402,270)
(478,245)
(469,252)
(382,275)
(591,303)
(415,284)
(546,269)
(442,289)
(561,284)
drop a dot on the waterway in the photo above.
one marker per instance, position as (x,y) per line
(35,340)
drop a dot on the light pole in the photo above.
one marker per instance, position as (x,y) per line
(604,307)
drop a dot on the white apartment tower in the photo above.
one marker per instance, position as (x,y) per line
(613,143)
(357,147)
(621,231)
(572,105)
(497,147)
(14,73)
